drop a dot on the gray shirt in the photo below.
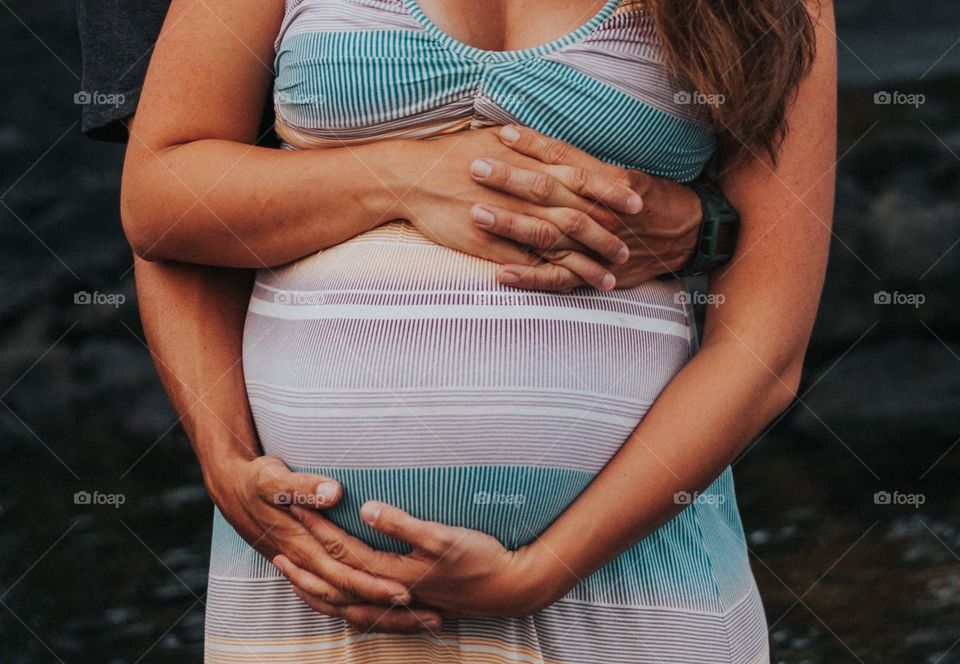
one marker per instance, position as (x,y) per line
(117,39)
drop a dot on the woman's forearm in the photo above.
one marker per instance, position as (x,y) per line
(748,367)
(224,203)
(196,189)
(685,441)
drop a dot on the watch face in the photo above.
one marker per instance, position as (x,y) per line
(726,238)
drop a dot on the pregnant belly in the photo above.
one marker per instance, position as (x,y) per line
(404,370)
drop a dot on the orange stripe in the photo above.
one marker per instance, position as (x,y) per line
(374,648)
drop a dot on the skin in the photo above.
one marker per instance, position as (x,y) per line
(196,191)
(752,354)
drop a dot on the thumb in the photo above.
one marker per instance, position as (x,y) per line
(306,490)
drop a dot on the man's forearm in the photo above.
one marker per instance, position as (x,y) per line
(193,318)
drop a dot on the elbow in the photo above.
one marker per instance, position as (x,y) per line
(138,236)
(140,226)
(785,384)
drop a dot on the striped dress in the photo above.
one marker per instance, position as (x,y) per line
(403,369)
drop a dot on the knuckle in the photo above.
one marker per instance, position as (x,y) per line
(542,186)
(577,178)
(500,174)
(542,235)
(336,548)
(442,541)
(350,587)
(574,223)
(555,152)
(323,594)
(557,279)
(505,223)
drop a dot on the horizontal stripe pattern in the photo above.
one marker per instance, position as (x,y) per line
(569,429)
(696,562)
(278,626)
(407,372)
(350,72)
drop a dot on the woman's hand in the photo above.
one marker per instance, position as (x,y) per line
(458,571)
(658,219)
(441,198)
(257,497)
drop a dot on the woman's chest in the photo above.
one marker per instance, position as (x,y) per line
(508,25)
(387,70)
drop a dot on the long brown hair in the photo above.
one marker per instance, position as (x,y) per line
(749,54)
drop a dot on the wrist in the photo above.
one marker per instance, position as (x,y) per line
(717,238)
(541,577)
(221,472)
(393,172)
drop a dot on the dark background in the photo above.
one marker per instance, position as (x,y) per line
(845,576)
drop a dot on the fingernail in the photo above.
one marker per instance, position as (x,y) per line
(370,511)
(609,281)
(326,492)
(482,216)
(634,203)
(508,277)
(481,168)
(623,255)
(432,624)
(509,134)
(401,599)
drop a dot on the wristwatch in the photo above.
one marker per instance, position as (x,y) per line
(718,231)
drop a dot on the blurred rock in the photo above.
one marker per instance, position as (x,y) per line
(896,227)
(894,403)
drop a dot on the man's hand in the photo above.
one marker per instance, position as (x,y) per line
(658,219)
(256,496)
(458,571)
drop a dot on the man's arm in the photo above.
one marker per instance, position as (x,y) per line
(193,318)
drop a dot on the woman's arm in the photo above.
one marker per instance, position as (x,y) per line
(748,368)
(746,372)
(195,189)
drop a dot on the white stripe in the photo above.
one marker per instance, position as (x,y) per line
(463,312)
(413,410)
(473,293)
